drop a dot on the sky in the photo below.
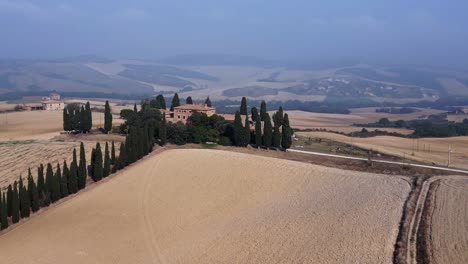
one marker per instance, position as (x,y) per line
(375,31)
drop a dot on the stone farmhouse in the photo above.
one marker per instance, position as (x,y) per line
(183,112)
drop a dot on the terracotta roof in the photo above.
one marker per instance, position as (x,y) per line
(194,107)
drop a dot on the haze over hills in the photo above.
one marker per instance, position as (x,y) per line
(231,77)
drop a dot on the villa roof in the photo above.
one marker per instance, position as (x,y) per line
(194,107)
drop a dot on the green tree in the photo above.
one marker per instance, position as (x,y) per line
(161,101)
(65,177)
(25,202)
(107,118)
(135,108)
(3,212)
(238,130)
(89,117)
(263,111)
(189,100)
(83,118)
(55,193)
(278,117)
(40,180)
(254,112)
(82,171)
(286,141)
(122,156)
(98,169)
(9,200)
(246,137)
(73,178)
(267,131)
(106,169)
(258,131)
(66,120)
(175,101)
(49,183)
(163,132)
(112,161)
(208,102)
(243,106)
(33,193)
(276,137)
(15,210)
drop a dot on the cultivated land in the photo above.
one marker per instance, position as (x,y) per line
(449,222)
(429,150)
(209,206)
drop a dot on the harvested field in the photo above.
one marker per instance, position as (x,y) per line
(18,156)
(210,206)
(449,223)
(429,150)
(38,125)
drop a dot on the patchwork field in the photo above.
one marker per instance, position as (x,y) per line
(430,150)
(208,206)
(449,222)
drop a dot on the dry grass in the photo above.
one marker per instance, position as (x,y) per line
(450,221)
(370,114)
(429,150)
(209,206)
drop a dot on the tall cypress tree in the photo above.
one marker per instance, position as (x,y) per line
(66,120)
(267,133)
(246,132)
(208,102)
(82,173)
(3,212)
(238,130)
(33,193)
(243,106)
(91,163)
(254,112)
(135,110)
(122,156)
(107,118)
(25,203)
(263,111)
(83,119)
(286,141)
(258,131)
(40,180)
(73,178)
(161,101)
(49,183)
(189,100)
(89,117)
(98,169)
(65,177)
(175,101)
(163,132)
(106,169)
(9,200)
(278,117)
(15,212)
(112,161)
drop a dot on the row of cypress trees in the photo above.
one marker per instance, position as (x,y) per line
(77,118)
(160,103)
(277,135)
(19,201)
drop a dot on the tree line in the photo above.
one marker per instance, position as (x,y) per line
(80,119)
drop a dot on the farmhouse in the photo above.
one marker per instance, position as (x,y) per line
(52,105)
(183,112)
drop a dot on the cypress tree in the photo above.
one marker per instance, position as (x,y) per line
(89,117)
(73,178)
(175,101)
(82,173)
(286,141)
(243,106)
(83,118)
(238,130)
(135,110)
(55,192)
(98,170)
(246,132)
(263,111)
(254,112)
(91,163)
(267,136)
(276,137)
(9,200)
(49,184)
(258,131)
(40,180)
(66,120)
(3,212)
(65,177)
(189,100)
(278,117)
(76,119)
(112,161)
(122,156)
(107,118)
(33,193)
(20,193)
(161,101)
(15,211)
(208,102)
(106,169)
(25,203)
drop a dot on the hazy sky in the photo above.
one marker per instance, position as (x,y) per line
(378,31)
